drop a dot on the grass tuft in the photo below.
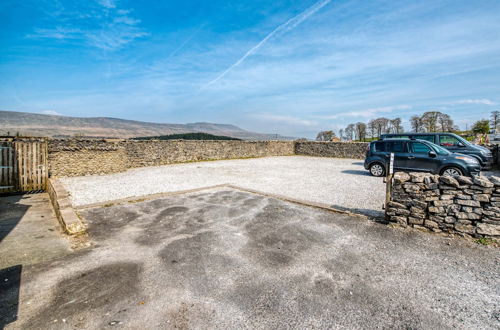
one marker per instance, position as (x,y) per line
(485,241)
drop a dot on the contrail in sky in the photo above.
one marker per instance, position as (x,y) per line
(287,26)
(186,41)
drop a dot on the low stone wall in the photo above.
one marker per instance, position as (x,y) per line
(69,220)
(354,150)
(73,157)
(461,204)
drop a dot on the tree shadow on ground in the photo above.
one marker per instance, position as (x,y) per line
(358,163)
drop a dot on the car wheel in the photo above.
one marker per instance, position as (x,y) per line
(377,169)
(451,171)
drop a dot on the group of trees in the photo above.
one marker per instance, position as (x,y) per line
(432,121)
(187,136)
(429,122)
(485,126)
(373,129)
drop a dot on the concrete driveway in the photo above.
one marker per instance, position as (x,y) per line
(29,231)
(223,258)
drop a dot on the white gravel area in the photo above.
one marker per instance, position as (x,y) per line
(340,183)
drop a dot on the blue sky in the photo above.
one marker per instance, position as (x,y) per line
(288,67)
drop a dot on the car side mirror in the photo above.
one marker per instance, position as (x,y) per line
(432,154)
(460,144)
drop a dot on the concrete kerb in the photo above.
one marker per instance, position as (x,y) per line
(68,218)
(300,201)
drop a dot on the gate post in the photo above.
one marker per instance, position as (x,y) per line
(388,184)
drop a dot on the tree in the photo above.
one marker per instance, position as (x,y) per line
(495,120)
(430,121)
(481,127)
(349,132)
(341,134)
(325,136)
(360,130)
(372,128)
(416,124)
(445,123)
(395,125)
(380,126)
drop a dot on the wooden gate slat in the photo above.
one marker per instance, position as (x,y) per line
(20,166)
(15,175)
(24,165)
(34,176)
(3,178)
(2,172)
(9,162)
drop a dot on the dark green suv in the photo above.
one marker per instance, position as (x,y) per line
(418,156)
(451,142)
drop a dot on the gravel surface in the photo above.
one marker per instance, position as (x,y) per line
(226,259)
(340,183)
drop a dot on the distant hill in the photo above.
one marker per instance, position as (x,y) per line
(103,127)
(188,136)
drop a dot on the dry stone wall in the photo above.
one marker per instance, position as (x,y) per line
(460,204)
(353,150)
(74,157)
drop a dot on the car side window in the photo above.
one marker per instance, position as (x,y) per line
(448,141)
(429,138)
(420,148)
(396,146)
(379,146)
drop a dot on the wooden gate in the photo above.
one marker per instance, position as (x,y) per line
(23,165)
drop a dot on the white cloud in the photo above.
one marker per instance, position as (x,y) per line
(476,101)
(114,28)
(126,20)
(113,39)
(367,113)
(285,119)
(107,3)
(57,33)
(51,112)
